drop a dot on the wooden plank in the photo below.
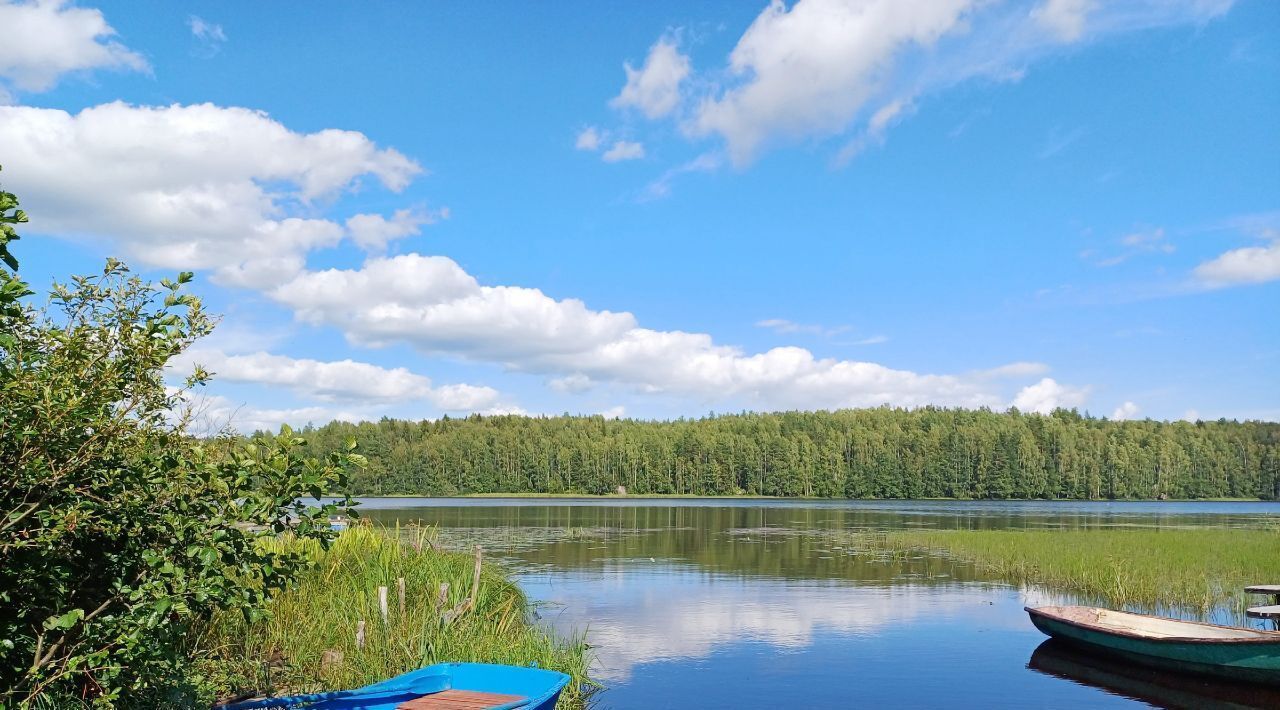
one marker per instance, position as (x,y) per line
(1264,612)
(459,700)
(1263,589)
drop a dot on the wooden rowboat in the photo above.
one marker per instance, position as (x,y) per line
(444,686)
(1185,646)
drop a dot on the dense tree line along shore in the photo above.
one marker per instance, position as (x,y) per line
(867,453)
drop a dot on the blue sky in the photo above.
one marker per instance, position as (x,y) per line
(665,209)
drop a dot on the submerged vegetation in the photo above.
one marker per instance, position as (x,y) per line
(868,453)
(1193,569)
(308,639)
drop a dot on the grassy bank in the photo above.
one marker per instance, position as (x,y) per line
(1192,569)
(309,641)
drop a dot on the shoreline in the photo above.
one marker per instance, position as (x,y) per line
(687,496)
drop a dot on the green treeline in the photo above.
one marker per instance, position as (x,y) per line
(867,453)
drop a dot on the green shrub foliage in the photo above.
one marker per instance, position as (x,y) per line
(119,532)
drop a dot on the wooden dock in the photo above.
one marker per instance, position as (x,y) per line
(1265,612)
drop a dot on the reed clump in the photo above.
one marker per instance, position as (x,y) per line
(330,631)
(1196,569)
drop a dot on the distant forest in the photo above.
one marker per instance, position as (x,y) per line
(864,453)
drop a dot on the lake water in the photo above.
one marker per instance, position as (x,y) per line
(753,604)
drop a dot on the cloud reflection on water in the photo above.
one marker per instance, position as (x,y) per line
(635,616)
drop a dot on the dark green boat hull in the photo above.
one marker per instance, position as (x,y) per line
(1153,686)
(1250,662)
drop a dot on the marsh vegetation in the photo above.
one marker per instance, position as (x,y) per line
(330,631)
(1187,569)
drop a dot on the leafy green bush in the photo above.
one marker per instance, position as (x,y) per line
(119,532)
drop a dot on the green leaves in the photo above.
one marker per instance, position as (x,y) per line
(64,621)
(9,216)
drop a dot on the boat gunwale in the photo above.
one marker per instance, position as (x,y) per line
(1261,636)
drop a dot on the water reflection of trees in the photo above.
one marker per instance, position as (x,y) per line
(713,517)
(770,542)
(785,542)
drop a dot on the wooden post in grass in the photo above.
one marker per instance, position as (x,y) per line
(360,634)
(382,603)
(475,578)
(442,596)
(400,590)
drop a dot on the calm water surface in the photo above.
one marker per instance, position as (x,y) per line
(754,604)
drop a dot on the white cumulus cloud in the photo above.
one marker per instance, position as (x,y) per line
(1065,18)
(1014,370)
(623,150)
(822,68)
(1047,395)
(212,414)
(431,303)
(45,39)
(197,187)
(810,68)
(1125,411)
(373,232)
(575,383)
(589,138)
(654,88)
(1248,265)
(357,384)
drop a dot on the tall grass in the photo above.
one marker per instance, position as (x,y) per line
(1191,569)
(309,642)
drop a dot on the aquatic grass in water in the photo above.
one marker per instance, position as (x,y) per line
(1189,569)
(309,641)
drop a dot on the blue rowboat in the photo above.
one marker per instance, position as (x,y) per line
(1227,652)
(455,686)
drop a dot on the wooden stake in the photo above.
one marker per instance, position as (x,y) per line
(400,590)
(475,578)
(360,634)
(382,603)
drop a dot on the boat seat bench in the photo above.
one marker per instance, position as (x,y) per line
(459,700)
(1264,612)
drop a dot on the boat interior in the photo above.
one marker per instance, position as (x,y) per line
(463,700)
